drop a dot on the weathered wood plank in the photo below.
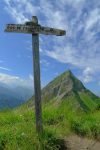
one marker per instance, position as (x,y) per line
(51,31)
(34,29)
(22,29)
(37,85)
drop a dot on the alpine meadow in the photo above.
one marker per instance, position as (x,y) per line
(68,108)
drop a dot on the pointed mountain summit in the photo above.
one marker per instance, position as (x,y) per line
(67,87)
(62,85)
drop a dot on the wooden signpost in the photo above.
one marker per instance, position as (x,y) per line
(35,29)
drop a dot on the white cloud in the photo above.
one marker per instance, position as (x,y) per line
(81,46)
(80,18)
(72,2)
(87,75)
(18,16)
(3,68)
(30,76)
(93,18)
(14,81)
(20,10)
(44,62)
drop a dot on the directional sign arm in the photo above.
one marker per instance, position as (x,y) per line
(21,28)
(52,31)
(34,29)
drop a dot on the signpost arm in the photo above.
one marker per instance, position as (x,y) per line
(37,85)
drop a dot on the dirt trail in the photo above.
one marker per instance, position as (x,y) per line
(75,142)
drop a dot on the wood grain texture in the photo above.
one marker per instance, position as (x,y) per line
(37,85)
(30,28)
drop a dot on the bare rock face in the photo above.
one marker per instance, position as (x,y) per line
(65,84)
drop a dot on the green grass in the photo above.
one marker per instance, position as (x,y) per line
(90,103)
(17,127)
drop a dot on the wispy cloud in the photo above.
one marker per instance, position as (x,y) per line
(81,46)
(20,10)
(81,20)
(93,18)
(11,80)
(44,62)
(3,68)
(87,75)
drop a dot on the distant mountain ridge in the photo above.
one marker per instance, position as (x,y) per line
(67,87)
(12,97)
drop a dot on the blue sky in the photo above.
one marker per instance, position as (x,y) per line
(78,51)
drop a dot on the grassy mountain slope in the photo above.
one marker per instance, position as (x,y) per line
(17,127)
(67,86)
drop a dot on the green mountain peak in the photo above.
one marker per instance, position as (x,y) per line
(67,87)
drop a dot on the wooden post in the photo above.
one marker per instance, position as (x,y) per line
(37,83)
(37,86)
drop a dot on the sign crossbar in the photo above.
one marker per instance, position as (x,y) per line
(32,29)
